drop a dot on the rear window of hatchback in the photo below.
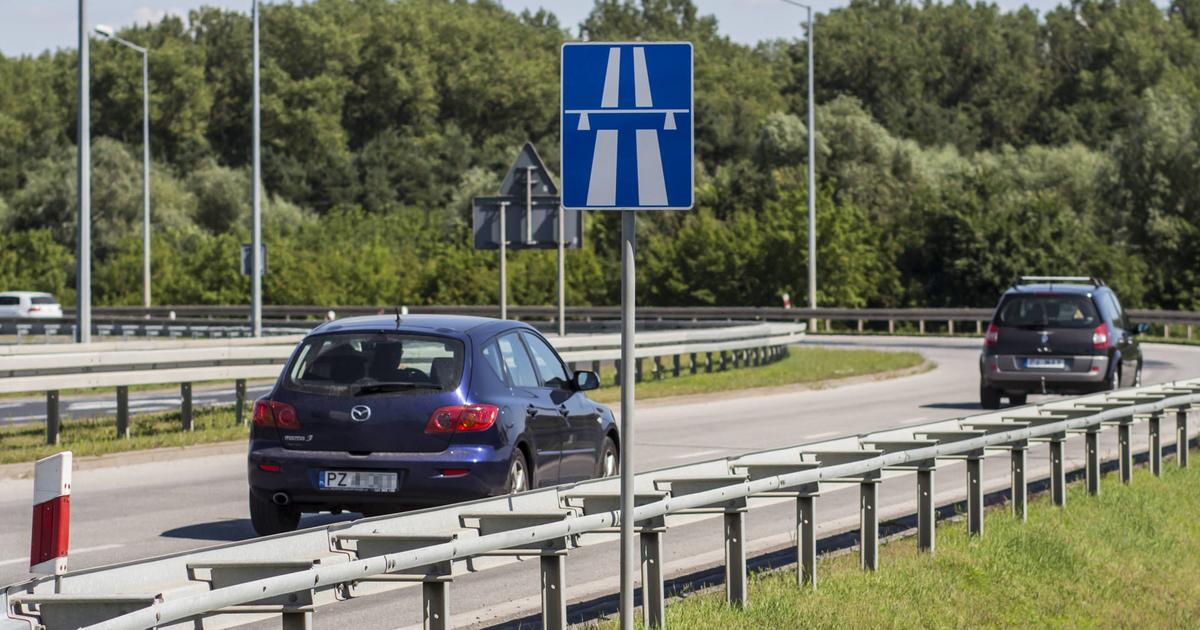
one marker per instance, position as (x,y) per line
(1048,311)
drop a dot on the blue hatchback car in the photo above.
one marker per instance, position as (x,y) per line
(386,413)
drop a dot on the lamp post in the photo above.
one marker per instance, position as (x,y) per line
(256,261)
(83,172)
(107,32)
(812,176)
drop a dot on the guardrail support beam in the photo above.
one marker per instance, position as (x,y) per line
(52,417)
(435,605)
(806,539)
(185,409)
(1125,457)
(676,366)
(868,514)
(1181,436)
(653,593)
(122,412)
(1020,490)
(975,496)
(692,366)
(735,558)
(1092,469)
(300,620)
(239,390)
(926,511)
(554,595)
(1154,423)
(1058,479)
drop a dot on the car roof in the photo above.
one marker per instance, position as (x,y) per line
(1068,289)
(456,325)
(25,294)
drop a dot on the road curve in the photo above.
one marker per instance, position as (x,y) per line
(149,509)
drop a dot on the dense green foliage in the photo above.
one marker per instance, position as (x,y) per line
(958,146)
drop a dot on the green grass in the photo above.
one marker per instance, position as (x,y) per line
(98,436)
(802,365)
(1128,558)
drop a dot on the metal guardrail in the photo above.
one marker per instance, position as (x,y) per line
(29,329)
(295,574)
(66,366)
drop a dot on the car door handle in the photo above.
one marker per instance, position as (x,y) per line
(562,409)
(531,411)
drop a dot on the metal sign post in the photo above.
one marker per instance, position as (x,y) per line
(503,261)
(655,117)
(562,273)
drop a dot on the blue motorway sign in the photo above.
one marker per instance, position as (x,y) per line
(627,128)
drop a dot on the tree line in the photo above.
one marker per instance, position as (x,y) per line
(958,146)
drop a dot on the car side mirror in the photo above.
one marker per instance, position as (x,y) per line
(1141,329)
(585,381)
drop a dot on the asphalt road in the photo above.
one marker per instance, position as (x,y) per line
(148,509)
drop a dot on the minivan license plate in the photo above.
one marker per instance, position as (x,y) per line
(360,480)
(1055,364)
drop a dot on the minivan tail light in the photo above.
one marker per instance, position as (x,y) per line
(462,418)
(1100,337)
(271,413)
(992,337)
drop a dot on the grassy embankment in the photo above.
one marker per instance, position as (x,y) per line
(1128,558)
(97,436)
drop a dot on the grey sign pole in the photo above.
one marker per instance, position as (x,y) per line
(629,561)
(83,246)
(503,261)
(528,204)
(145,178)
(562,272)
(812,177)
(256,201)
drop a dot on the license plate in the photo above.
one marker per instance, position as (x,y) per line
(1053,364)
(360,480)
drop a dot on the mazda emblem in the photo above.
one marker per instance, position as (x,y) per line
(360,413)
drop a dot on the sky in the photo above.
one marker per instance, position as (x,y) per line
(28,27)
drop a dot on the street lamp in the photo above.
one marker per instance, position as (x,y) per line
(83,190)
(256,261)
(812,176)
(107,32)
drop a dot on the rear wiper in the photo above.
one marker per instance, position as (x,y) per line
(399,386)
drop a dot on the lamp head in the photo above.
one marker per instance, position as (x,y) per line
(104,30)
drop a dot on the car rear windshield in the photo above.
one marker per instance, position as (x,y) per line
(42,299)
(359,364)
(1048,311)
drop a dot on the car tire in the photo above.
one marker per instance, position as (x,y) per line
(518,478)
(1018,400)
(609,464)
(989,397)
(268,518)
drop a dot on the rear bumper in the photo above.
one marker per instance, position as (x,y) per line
(421,479)
(1082,374)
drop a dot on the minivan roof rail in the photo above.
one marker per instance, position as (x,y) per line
(1092,280)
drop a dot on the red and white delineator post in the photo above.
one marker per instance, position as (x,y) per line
(51,514)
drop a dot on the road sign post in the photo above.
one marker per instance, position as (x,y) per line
(627,144)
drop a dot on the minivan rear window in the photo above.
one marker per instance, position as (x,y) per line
(359,364)
(1048,311)
(42,299)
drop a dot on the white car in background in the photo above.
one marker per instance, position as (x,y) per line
(29,304)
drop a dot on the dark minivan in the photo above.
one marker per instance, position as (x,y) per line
(379,414)
(1058,335)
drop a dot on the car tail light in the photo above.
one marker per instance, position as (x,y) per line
(270,413)
(270,467)
(992,337)
(1100,337)
(462,418)
(35,309)
(455,472)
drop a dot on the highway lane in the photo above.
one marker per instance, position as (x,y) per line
(142,510)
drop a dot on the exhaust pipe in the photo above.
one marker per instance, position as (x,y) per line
(281,498)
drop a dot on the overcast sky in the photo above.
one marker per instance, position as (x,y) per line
(31,26)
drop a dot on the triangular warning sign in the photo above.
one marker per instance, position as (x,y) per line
(515,181)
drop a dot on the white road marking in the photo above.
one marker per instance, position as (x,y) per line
(817,436)
(71,552)
(913,421)
(697,453)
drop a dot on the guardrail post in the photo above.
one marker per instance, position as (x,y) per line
(675,366)
(978,327)
(1092,446)
(1154,423)
(735,557)
(975,495)
(868,517)
(1181,437)
(239,389)
(921,324)
(658,368)
(1125,457)
(1189,332)
(708,363)
(122,412)
(435,604)
(1166,331)
(1019,488)
(1058,479)
(185,410)
(653,593)
(737,356)
(297,620)
(860,325)
(596,367)
(617,373)
(554,590)
(724,360)
(806,541)
(52,417)
(637,370)
(926,510)
(950,326)
(692,365)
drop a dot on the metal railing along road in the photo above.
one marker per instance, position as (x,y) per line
(122,364)
(297,575)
